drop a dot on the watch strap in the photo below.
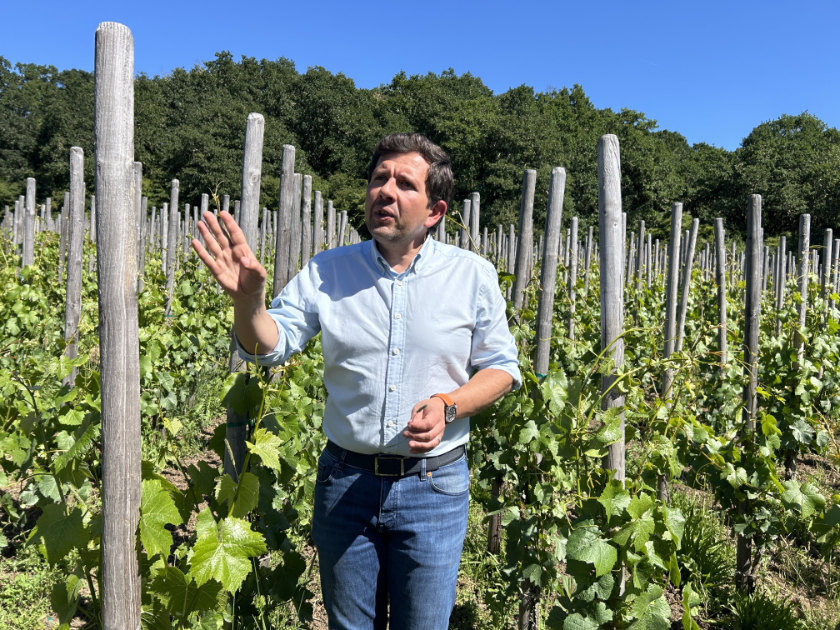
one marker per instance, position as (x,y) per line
(445,398)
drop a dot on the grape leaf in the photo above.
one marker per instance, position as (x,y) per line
(61,532)
(586,546)
(157,509)
(266,445)
(223,553)
(614,498)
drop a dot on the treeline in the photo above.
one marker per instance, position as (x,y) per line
(190,125)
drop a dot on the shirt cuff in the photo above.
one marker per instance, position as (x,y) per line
(275,357)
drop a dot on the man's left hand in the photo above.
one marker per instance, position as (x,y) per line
(425,429)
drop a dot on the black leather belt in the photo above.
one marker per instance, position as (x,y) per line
(394,465)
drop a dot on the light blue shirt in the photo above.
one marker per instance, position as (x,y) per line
(391,340)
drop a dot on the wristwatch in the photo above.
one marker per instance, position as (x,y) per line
(449,410)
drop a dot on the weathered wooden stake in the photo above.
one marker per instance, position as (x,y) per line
(686,284)
(672,286)
(720,248)
(318,224)
(745,562)
(28,255)
(75,243)
(611,241)
(526,237)
(118,324)
(573,274)
(306,221)
(548,273)
(284,221)
(802,281)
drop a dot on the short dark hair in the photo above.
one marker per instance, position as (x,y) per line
(439,179)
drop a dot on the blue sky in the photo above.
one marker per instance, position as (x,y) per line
(710,70)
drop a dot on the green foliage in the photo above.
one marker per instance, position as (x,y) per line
(189,125)
(706,557)
(26,582)
(759,610)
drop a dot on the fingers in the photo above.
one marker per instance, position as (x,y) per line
(426,427)
(204,255)
(209,226)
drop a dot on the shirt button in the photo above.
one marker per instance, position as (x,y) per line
(399,283)
(396,350)
(393,388)
(390,424)
(398,316)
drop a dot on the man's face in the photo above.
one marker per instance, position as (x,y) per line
(397,210)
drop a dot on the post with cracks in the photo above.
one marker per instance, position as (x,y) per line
(118,324)
(611,241)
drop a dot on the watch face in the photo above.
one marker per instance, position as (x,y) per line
(449,413)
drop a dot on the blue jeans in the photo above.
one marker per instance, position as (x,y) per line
(384,539)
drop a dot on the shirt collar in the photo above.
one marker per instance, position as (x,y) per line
(416,264)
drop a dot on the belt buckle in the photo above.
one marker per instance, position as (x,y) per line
(379,473)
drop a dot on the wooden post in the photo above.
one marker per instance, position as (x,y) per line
(143,244)
(572,246)
(804,266)
(686,284)
(93,219)
(466,214)
(306,221)
(295,231)
(284,221)
(330,224)
(118,324)
(526,236)
(172,241)
(828,242)
(640,257)
(475,210)
(75,244)
(611,241)
(139,220)
(744,563)
(587,259)
(781,281)
(62,226)
(548,273)
(318,224)
(263,229)
(28,256)
(671,294)
(343,227)
(720,248)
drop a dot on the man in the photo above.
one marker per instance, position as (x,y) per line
(415,341)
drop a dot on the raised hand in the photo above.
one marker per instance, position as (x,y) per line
(229,258)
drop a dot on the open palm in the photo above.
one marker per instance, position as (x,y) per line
(229,258)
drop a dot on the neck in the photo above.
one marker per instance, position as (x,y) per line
(399,257)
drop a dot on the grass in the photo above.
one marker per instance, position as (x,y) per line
(25,585)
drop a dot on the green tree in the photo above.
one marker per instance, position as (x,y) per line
(793,162)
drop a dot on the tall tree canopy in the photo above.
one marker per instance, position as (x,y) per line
(190,125)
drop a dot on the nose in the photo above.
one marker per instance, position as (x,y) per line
(387,190)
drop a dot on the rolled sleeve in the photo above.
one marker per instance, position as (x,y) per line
(493,345)
(295,314)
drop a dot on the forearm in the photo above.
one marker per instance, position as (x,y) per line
(482,390)
(255,329)
(426,428)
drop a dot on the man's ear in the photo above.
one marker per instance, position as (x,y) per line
(436,213)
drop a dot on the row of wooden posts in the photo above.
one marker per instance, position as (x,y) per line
(123,230)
